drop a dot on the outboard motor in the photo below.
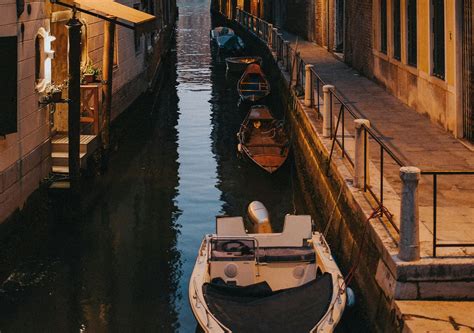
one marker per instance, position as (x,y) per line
(259,218)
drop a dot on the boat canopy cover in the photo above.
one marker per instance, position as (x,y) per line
(260,112)
(256,308)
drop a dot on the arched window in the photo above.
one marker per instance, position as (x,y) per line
(43,56)
(84,45)
(39,59)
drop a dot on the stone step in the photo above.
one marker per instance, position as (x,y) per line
(88,143)
(62,158)
(60,169)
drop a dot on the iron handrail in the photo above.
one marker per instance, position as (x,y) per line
(435,174)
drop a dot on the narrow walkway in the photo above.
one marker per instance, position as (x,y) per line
(415,139)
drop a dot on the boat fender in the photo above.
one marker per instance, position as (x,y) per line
(239,148)
(351,299)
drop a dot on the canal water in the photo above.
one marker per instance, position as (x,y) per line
(122,261)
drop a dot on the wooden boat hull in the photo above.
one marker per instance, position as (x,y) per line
(263,140)
(240,64)
(253,86)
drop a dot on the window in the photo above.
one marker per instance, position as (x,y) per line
(39,59)
(383,26)
(438,38)
(137,36)
(397,36)
(411,33)
(116,48)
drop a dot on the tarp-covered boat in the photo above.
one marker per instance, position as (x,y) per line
(266,282)
(239,64)
(253,85)
(221,31)
(263,139)
(230,43)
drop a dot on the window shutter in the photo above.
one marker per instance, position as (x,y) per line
(438,38)
(412,31)
(8,85)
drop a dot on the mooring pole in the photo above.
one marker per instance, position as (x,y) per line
(74,116)
(107,72)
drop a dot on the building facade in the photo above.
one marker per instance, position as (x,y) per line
(419,50)
(34,58)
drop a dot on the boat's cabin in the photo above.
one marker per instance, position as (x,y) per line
(283,260)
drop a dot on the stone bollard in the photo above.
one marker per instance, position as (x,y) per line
(270,36)
(360,160)
(409,248)
(308,87)
(327,111)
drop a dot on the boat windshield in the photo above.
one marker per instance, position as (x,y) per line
(232,249)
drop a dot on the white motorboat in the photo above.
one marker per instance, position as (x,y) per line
(266,282)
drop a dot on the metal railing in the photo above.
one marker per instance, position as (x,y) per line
(435,175)
(292,62)
(338,136)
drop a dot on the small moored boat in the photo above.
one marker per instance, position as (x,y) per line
(239,64)
(263,139)
(253,85)
(221,31)
(230,43)
(264,281)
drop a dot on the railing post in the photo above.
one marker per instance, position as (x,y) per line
(361,159)
(409,248)
(279,38)
(274,34)
(327,110)
(286,58)
(308,86)
(270,36)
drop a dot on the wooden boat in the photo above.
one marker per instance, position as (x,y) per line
(230,44)
(221,31)
(239,64)
(253,85)
(264,281)
(263,139)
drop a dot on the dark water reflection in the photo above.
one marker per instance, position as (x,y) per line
(123,261)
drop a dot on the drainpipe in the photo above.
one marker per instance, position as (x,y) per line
(74,27)
(108,64)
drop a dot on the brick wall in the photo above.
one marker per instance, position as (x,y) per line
(358,39)
(24,160)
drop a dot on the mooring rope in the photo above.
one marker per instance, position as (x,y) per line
(326,229)
(351,273)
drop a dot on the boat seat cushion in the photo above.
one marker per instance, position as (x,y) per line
(276,254)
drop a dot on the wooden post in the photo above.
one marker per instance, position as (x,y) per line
(74,130)
(107,72)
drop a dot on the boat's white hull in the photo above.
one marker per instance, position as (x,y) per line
(324,260)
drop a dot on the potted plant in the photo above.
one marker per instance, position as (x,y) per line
(53,93)
(90,74)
